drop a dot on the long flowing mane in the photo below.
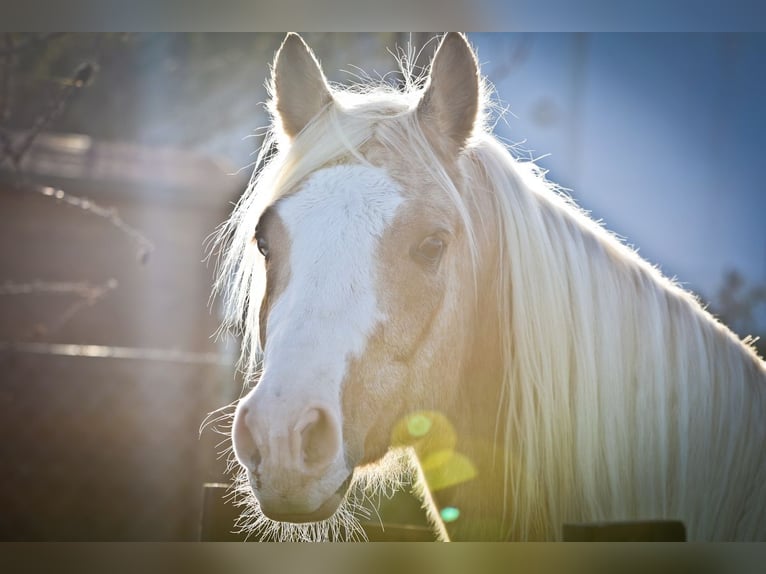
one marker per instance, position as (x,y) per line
(607,357)
(622,396)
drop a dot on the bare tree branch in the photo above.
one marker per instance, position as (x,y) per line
(95,294)
(87,296)
(81,77)
(145,247)
(14,150)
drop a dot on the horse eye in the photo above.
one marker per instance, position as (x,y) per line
(263,247)
(429,251)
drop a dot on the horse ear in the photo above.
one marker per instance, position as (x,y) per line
(299,86)
(450,102)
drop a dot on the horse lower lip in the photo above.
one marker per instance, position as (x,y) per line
(325,510)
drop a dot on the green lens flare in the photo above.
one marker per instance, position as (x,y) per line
(419,425)
(450,514)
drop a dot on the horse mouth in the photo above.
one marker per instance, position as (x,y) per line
(325,510)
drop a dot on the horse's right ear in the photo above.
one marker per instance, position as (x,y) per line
(299,86)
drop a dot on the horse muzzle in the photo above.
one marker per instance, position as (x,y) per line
(294,458)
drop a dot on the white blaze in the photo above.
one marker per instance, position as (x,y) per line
(329,308)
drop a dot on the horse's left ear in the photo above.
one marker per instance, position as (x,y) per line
(299,86)
(450,103)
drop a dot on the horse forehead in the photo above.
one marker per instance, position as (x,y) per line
(341,208)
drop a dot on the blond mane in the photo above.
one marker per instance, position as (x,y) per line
(612,371)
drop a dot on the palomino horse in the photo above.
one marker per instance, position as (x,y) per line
(412,288)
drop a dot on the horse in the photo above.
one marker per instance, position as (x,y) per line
(413,300)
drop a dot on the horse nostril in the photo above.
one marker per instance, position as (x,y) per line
(245,447)
(318,437)
(255,459)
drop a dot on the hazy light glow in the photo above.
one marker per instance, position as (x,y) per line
(450,514)
(418,425)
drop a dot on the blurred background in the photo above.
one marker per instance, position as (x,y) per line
(121,153)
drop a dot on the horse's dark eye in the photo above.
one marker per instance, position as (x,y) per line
(263,247)
(430,250)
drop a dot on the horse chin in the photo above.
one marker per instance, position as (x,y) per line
(323,512)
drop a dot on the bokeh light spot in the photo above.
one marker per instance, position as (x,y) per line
(449,514)
(419,425)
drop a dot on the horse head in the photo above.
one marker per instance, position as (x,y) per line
(367,255)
